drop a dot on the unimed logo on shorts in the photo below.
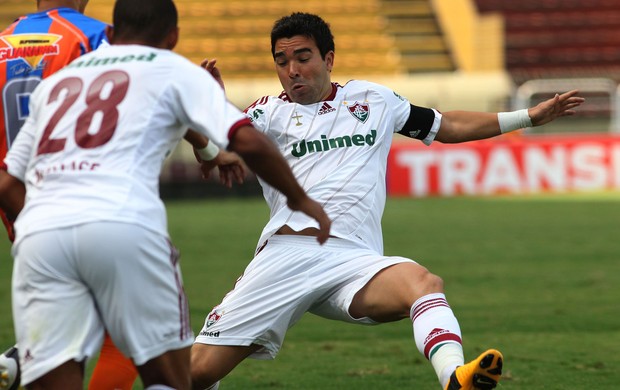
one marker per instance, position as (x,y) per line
(210,334)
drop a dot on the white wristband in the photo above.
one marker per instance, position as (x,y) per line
(514,120)
(209,152)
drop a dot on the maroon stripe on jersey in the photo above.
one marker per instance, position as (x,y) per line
(257,102)
(427,305)
(284,96)
(332,95)
(185,330)
(238,125)
(446,337)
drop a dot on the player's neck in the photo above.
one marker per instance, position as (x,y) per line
(329,90)
(44,5)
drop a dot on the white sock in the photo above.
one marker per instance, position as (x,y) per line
(447,358)
(437,334)
(214,386)
(159,387)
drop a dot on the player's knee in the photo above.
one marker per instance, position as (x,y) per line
(422,282)
(431,283)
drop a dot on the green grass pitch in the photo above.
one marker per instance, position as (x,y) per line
(536,277)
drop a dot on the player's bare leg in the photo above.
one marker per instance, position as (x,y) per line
(408,289)
(388,296)
(211,363)
(69,376)
(170,369)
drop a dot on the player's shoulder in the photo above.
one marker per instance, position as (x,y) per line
(363,85)
(368,87)
(70,22)
(264,102)
(72,14)
(9,29)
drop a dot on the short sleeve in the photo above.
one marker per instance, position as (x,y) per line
(203,105)
(398,105)
(257,112)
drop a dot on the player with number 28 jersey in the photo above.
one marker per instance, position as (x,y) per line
(91,150)
(90,155)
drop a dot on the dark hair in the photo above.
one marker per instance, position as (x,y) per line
(308,25)
(149,21)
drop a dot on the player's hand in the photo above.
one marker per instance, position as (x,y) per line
(209,66)
(314,210)
(231,168)
(206,167)
(557,106)
(229,164)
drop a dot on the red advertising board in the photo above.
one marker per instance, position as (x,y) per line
(507,165)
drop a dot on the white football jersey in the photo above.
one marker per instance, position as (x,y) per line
(338,151)
(99,130)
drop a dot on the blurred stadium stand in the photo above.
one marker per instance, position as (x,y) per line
(560,38)
(564,44)
(485,55)
(421,47)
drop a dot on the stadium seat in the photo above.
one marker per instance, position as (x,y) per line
(558,39)
(387,37)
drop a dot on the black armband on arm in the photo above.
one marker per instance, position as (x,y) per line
(420,122)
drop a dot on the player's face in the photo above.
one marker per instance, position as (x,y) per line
(304,75)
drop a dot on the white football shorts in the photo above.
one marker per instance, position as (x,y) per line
(70,283)
(290,276)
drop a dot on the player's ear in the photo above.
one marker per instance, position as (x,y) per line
(109,32)
(172,38)
(329,60)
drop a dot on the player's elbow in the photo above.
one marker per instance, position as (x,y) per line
(249,143)
(449,136)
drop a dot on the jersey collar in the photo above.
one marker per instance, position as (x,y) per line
(284,96)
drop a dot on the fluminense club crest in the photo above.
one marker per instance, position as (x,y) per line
(213,317)
(360,111)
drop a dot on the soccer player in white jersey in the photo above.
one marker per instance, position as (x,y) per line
(336,139)
(92,249)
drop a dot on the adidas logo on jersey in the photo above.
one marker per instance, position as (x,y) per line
(326,109)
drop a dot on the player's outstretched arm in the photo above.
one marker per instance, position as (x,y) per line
(462,126)
(262,157)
